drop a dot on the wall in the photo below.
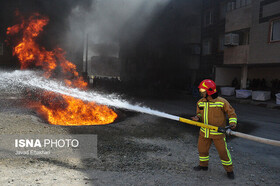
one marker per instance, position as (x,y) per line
(239,19)
(236,54)
(212,33)
(225,75)
(268,73)
(261,51)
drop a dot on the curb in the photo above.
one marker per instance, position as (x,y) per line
(252,102)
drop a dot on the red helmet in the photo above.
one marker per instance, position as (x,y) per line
(209,86)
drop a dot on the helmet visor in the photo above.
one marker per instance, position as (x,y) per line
(202,90)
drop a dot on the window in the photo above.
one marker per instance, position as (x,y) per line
(223,10)
(1,49)
(245,3)
(242,3)
(195,49)
(230,6)
(275,30)
(208,18)
(243,37)
(235,4)
(206,47)
(221,43)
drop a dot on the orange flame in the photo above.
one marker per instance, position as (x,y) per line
(66,110)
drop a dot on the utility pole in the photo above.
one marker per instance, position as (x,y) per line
(85,73)
(86,70)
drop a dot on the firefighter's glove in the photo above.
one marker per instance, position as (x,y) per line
(232,126)
(195,118)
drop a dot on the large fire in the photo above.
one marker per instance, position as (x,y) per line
(58,109)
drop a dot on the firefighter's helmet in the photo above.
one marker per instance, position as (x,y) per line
(209,86)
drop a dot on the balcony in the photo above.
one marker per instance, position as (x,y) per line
(239,19)
(236,55)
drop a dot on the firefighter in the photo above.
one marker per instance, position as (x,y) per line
(212,109)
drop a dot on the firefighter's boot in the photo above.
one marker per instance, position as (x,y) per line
(230,175)
(199,168)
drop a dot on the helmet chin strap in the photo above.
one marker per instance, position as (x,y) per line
(208,97)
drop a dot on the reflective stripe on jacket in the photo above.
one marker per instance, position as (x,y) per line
(214,112)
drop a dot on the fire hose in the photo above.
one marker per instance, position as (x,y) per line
(230,132)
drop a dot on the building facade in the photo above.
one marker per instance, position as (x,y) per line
(212,36)
(252,45)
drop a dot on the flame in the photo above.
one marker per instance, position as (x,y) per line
(66,110)
(58,109)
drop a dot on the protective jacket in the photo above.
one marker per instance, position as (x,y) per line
(213,112)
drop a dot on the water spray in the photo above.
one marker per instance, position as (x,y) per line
(17,81)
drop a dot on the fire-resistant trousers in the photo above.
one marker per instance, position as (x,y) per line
(221,146)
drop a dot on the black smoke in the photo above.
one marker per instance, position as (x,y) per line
(57,11)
